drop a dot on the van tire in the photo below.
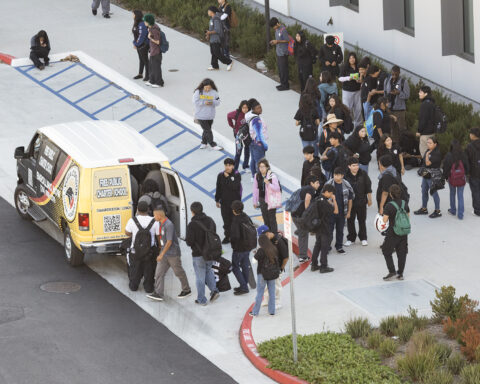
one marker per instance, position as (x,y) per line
(22,202)
(73,255)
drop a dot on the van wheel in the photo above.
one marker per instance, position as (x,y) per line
(73,255)
(22,202)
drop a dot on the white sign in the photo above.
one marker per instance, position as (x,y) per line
(287,225)
(338,39)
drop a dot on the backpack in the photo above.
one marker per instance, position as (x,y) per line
(164,45)
(457,175)
(212,245)
(154,200)
(143,241)
(308,129)
(405,195)
(270,270)
(291,44)
(369,122)
(402,225)
(243,134)
(249,234)
(439,120)
(310,219)
(342,158)
(294,201)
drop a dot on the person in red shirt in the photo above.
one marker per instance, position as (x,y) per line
(236,119)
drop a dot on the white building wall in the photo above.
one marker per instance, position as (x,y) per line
(421,54)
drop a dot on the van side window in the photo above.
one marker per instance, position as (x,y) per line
(173,186)
(62,157)
(34,147)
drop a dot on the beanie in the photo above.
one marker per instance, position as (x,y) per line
(330,40)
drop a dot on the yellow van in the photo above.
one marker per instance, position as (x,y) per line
(86,178)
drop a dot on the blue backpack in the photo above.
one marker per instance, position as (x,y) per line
(369,122)
(164,45)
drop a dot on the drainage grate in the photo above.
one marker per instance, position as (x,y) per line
(173,70)
(60,287)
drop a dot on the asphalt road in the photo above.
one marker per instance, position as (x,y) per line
(94,335)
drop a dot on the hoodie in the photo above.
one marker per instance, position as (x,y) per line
(426,116)
(473,154)
(229,188)
(236,233)
(258,129)
(202,110)
(217,26)
(355,144)
(304,52)
(195,235)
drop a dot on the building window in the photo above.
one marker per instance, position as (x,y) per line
(458,28)
(409,15)
(351,4)
(468,27)
(399,15)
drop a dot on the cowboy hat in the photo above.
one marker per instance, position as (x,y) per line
(331,118)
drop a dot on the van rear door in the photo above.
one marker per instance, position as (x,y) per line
(176,191)
(111,202)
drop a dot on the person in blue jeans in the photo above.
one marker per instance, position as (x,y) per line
(266,253)
(195,239)
(258,133)
(455,169)
(473,154)
(241,251)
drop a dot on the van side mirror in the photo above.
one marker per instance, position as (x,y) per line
(20,153)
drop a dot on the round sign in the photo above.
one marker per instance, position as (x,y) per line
(70,193)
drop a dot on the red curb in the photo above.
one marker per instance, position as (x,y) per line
(250,348)
(7,59)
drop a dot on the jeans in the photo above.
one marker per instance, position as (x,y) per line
(246,156)
(261,283)
(207,135)
(426,185)
(336,224)
(241,268)
(269,216)
(256,154)
(302,239)
(475,188)
(313,143)
(363,168)
(203,274)
(459,192)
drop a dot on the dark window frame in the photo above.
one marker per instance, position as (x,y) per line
(471,31)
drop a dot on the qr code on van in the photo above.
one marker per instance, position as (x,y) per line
(111,223)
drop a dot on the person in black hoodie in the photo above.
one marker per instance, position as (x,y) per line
(330,56)
(39,49)
(305,55)
(473,154)
(311,161)
(362,186)
(240,260)
(351,83)
(195,239)
(359,145)
(229,189)
(426,117)
(455,169)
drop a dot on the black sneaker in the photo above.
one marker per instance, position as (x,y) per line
(94,12)
(282,88)
(326,269)
(199,303)
(155,296)
(214,296)
(390,277)
(341,250)
(236,289)
(184,294)
(106,16)
(435,214)
(314,268)
(303,259)
(240,292)
(421,211)
(226,240)
(399,277)
(137,77)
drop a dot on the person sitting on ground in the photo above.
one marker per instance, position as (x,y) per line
(39,49)
(152,196)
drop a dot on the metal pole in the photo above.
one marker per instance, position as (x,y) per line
(292,304)
(267,21)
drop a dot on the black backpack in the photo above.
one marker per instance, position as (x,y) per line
(156,202)
(310,218)
(143,241)
(308,129)
(249,234)
(270,270)
(439,120)
(243,134)
(212,245)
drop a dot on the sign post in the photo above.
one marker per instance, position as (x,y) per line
(287,227)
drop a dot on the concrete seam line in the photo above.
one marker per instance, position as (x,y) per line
(249,347)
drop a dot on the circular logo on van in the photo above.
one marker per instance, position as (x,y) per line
(70,193)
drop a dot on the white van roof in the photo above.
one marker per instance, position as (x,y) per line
(98,143)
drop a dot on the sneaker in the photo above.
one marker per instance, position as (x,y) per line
(210,68)
(184,294)
(106,16)
(137,77)
(237,289)
(278,306)
(214,296)
(390,277)
(421,211)
(283,88)
(399,277)
(203,146)
(155,86)
(94,12)
(217,148)
(226,240)
(452,212)
(229,66)
(364,243)
(271,314)
(435,214)
(155,296)
(251,314)
(251,179)
(341,250)
(199,303)
(240,292)
(303,259)
(148,83)
(41,67)
(314,268)
(326,269)
(348,243)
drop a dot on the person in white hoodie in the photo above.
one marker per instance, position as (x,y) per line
(205,100)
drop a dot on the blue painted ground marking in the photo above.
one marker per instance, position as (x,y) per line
(247,197)
(92,93)
(59,72)
(134,113)
(76,82)
(109,105)
(185,154)
(208,166)
(196,185)
(153,125)
(170,138)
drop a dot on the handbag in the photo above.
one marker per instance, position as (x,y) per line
(424,172)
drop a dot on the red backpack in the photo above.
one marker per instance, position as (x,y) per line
(291,43)
(457,175)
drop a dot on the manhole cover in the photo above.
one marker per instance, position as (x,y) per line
(60,287)
(10,313)
(173,70)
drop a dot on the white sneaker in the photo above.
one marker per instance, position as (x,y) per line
(210,68)
(278,306)
(148,83)
(364,243)
(348,243)
(229,66)
(203,146)
(251,179)
(155,86)
(217,148)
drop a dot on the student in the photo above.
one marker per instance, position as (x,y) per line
(369,92)
(387,147)
(267,258)
(308,194)
(394,242)
(105,8)
(235,120)
(344,196)
(215,35)
(340,110)
(140,259)
(229,189)
(308,120)
(195,239)
(258,134)
(327,87)
(362,188)
(226,11)
(432,160)
(330,126)
(205,100)
(426,117)
(169,257)
(330,56)
(305,55)
(455,169)
(152,196)
(39,49)
(388,177)
(351,83)
(334,156)
(473,154)
(327,208)
(311,161)
(359,145)
(382,121)
(397,92)
(311,88)
(141,44)
(241,251)
(267,194)
(281,49)
(155,79)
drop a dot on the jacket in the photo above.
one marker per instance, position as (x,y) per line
(426,115)
(217,26)
(260,256)
(140,33)
(195,237)
(325,90)
(356,145)
(307,166)
(473,154)
(347,190)
(273,193)
(156,35)
(304,52)
(235,120)
(333,53)
(349,85)
(362,186)
(397,102)
(448,162)
(228,188)
(324,141)
(257,129)
(202,110)
(236,233)
(435,159)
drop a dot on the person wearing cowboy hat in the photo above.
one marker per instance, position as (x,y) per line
(331,125)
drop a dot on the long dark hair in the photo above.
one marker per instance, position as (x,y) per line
(242,103)
(327,77)
(347,62)
(267,246)
(43,34)
(382,148)
(456,151)
(138,18)
(306,105)
(338,103)
(311,88)
(204,83)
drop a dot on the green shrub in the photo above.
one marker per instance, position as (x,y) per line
(358,327)
(422,341)
(419,322)
(405,331)
(441,376)
(418,366)
(455,363)
(389,325)
(447,305)
(470,374)
(374,340)
(442,351)
(387,347)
